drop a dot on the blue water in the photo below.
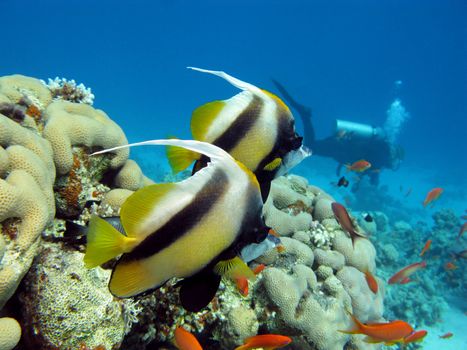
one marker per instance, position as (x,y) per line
(341,58)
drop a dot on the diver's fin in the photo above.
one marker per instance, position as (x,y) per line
(141,205)
(104,242)
(180,158)
(197,291)
(234,268)
(203,117)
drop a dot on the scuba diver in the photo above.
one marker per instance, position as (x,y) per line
(351,142)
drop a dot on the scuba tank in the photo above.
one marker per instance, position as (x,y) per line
(345,127)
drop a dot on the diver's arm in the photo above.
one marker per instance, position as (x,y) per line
(303,111)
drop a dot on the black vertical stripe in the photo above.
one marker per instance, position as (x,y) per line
(241,125)
(184,220)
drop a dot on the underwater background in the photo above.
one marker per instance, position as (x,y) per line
(344,60)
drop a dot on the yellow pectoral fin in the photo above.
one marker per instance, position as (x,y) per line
(233,269)
(104,242)
(273,165)
(180,158)
(203,117)
(129,279)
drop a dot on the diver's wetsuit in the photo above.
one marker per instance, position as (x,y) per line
(347,149)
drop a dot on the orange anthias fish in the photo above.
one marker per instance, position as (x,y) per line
(371,281)
(242,281)
(258,269)
(450,266)
(405,280)
(426,247)
(406,272)
(184,340)
(343,218)
(242,285)
(432,195)
(390,332)
(266,341)
(462,230)
(415,337)
(446,335)
(358,166)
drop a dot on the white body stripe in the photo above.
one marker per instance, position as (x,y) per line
(233,108)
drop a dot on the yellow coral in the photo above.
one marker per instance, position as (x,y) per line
(69,124)
(10,333)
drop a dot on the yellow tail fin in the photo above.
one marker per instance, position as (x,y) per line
(180,158)
(104,242)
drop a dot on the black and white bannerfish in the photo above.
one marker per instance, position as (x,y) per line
(194,229)
(255,127)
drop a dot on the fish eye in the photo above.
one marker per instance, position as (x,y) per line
(296,141)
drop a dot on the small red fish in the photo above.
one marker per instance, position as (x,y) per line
(450,266)
(415,337)
(266,341)
(389,332)
(371,281)
(258,269)
(462,230)
(242,285)
(426,247)
(343,218)
(406,272)
(446,335)
(274,233)
(432,195)
(184,340)
(406,280)
(358,166)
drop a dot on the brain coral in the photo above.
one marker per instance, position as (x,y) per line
(38,139)
(69,124)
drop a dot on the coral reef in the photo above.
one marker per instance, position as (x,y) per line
(45,175)
(86,313)
(48,181)
(304,291)
(10,333)
(422,301)
(68,90)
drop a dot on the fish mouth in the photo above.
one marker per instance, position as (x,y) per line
(293,158)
